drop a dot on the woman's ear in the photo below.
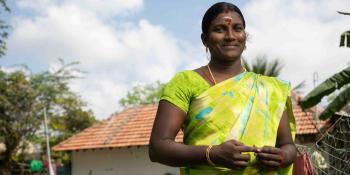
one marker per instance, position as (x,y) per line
(204,39)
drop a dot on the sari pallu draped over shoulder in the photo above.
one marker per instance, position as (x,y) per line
(247,108)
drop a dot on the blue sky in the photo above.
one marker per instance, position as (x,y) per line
(123,43)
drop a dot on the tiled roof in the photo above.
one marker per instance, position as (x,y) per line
(305,120)
(132,127)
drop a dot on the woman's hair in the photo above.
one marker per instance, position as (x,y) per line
(215,10)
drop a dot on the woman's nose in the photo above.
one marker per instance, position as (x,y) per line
(230,35)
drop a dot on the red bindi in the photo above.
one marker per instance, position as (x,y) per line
(228,20)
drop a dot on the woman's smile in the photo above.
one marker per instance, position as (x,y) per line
(230,46)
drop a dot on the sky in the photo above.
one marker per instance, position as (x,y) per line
(121,43)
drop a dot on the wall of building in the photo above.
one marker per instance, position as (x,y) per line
(123,161)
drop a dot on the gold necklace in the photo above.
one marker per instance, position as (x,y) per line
(212,76)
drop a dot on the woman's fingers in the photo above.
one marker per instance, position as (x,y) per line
(238,156)
(240,163)
(244,148)
(269,149)
(270,163)
(268,156)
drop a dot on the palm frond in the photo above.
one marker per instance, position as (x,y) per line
(345,39)
(337,104)
(246,65)
(262,66)
(299,87)
(336,81)
(274,68)
(343,13)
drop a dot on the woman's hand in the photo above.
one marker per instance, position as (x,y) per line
(270,157)
(230,154)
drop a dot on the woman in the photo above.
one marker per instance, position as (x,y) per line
(234,122)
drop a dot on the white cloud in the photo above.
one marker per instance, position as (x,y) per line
(303,34)
(118,54)
(115,56)
(101,93)
(102,8)
(67,32)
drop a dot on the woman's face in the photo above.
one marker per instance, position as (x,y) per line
(226,37)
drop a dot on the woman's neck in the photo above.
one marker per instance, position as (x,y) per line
(231,68)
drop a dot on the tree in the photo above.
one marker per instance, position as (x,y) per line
(64,126)
(3,29)
(261,65)
(23,96)
(143,94)
(330,85)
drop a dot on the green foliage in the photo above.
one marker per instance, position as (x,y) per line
(3,3)
(22,99)
(262,66)
(143,94)
(345,39)
(327,87)
(342,99)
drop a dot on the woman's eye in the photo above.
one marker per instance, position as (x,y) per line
(238,28)
(218,29)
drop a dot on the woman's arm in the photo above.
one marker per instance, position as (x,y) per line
(285,151)
(165,150)
(285,140)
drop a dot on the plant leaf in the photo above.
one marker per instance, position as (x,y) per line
(337,104)
(325,88)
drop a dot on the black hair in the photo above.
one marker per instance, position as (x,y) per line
(215,10)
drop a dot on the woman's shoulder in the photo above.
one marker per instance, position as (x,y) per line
(183,87)
(187,78)
(189,82)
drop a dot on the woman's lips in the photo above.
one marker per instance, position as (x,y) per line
(230,46)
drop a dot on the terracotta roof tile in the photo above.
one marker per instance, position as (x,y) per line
(305,120)
(132,127)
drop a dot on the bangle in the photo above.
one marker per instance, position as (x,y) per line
(208,156)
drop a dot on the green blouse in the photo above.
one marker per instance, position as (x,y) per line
(183,88)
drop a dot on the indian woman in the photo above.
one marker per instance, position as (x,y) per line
(234,121)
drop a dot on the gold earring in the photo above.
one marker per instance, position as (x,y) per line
(207,53)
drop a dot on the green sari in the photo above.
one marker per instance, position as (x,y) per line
(247,108)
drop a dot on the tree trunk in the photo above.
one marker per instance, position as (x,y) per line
(6,162)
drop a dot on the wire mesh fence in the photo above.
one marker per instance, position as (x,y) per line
(331,152)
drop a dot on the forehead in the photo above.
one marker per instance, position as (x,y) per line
(222,18)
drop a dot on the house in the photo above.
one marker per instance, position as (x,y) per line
(119,145)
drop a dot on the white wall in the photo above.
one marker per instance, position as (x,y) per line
(124,161)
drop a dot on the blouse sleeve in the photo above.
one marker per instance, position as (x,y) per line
(177,92)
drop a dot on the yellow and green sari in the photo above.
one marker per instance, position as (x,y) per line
(247,108)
